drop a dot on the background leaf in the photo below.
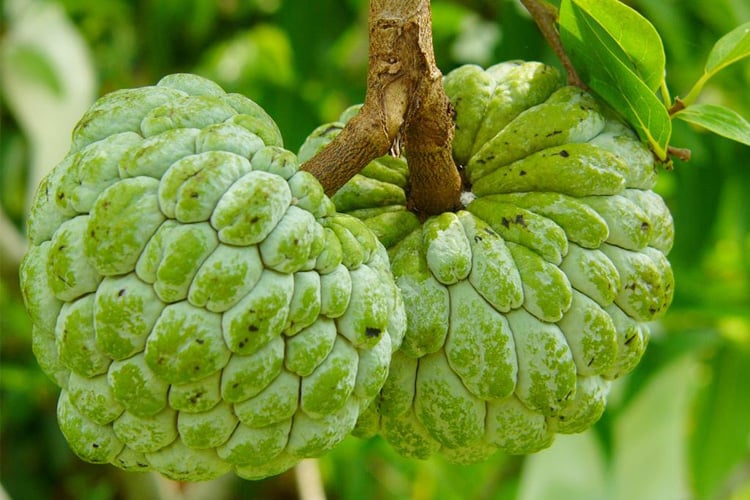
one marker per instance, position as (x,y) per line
(718,119)
(730,48)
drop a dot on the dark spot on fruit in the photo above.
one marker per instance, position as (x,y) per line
(645,226)
(631,286)
(61,247)
(520,220)
(372,332)
(490,158)
(628,341)
(194,195)
(477,238)
(200,341)
(141,465)
(196,368)
(564,153)
(591,362)
(505,222)
(252,328)
(121,292)
(95,445)
(242,343)
(161,360)
(522,173)
(554,132)
(254,219)
(194,399)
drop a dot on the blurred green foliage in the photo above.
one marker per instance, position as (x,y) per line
(682,419)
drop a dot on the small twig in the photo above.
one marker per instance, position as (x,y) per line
(683,154)
(309,481)
(545,16)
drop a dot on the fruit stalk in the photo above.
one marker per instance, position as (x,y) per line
(404,99)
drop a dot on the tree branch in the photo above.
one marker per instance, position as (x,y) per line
(404,94)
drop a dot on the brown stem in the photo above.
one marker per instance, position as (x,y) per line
(545,16)
(404,94)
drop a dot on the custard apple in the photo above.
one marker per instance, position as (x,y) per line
(525,304)
(196,296)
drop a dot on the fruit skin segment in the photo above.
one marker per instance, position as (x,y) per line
(196,296)
(524,305)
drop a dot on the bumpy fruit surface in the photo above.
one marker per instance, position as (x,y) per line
(523,306)
(197,298)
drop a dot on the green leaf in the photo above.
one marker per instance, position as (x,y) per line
(598,57)
(721,425)
(730,48)
(719,120)
(623,33)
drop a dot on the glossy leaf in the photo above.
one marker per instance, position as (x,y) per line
(611,72)
(730,48)
(718,119)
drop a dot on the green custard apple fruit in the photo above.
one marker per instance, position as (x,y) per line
(196,296)
(525,304)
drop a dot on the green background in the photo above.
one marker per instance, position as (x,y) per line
(677,428)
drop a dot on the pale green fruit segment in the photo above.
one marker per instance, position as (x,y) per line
(255,447)
(191,188)
(125,311)
(366,318)
(318,140)
(570,115)
(469,89)
(250,209)
(42,305)
(276,161)
(123,219)
(278,464)
(397,395)
(332,254)
(368,423)
(665,291)
(186,344)
(154,155)
(366,240)
(308,194)
(94,398)
(329,386)
(198,396)
(352,252)
(305,305)
(586,408)
(370,212)
(372,369)
(392,226)
(191,84)
(442,403)
(254,119)
(662,224)
(273,405)
(312,437)
(447,249)
(225,276)
(308,348)
(521,226)
(137,387)
(629,226)
(480,347)
(572,169)
(335,292)
(186,112)
(131,461)
(246,376)
(287,247)
(632,339)
(228,137)
(470,454)
(546,370)
(591,335)
(642,289)
(260,316)
(44,347)
(69,272)
(494,274)
(516,429)
(44,214)
(173,256)
(207,429)
(388,169)
(425,299)
(547,293)
(119,111)
(364,192)
(181,463)
(591,272)
(521,85)
(76,338)
(408,436)
(94,169)
(93,442)
(147,434)
(617,138)
(582,224)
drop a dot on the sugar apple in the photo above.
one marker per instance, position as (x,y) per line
(523,305)
(196,296)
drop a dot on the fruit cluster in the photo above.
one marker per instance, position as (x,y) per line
(205,307)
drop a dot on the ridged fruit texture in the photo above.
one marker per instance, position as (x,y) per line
(196,296)
(523,306)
